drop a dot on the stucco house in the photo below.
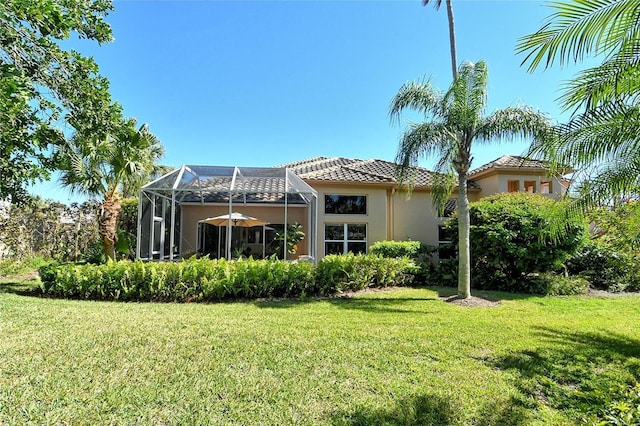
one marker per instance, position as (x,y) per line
(341,204)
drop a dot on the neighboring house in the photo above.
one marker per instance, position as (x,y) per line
(342,204)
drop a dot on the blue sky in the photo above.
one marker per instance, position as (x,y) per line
(261,83)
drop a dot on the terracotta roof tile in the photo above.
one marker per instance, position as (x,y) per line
(510,162)
(340,169)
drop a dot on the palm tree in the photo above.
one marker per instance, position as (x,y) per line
(104,166)
(454,121)
(452,32)
(602,137)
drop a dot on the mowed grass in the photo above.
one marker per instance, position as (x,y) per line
(398,357)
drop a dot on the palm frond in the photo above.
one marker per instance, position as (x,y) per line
(420,140)
(579,28)
(466,99)
(436,3)
(416,95)
(616,80)
(441,190)
(614,181)
(508,123)
(609,132)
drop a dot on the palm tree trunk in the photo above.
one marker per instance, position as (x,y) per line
(464,222)
(452,39)
(108,222)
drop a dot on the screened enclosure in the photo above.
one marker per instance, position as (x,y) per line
(176,212)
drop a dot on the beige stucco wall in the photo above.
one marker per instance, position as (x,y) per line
(375,219)
(495,183)
(191,214)
(414,217)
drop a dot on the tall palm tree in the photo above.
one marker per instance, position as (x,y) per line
(602,137)
(452,31)
(454,121)
(104,166)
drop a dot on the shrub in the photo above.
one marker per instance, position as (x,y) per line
(605,267)
(622,406)
(214,280)
(338,273)
(419,252)
(552,284)
(510,240)
(190,280)
(412,249)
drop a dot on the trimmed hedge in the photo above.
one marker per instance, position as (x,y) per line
(339,273)
(204,280)
(415,250)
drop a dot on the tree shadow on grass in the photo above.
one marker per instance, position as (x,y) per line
(574,371)
(28,287)
(424,410)
(445,292)
(386,305)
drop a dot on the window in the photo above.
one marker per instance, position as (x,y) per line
(545,188)
(513,186)
(341,238)
(530,186)
(345,204)
(446,248)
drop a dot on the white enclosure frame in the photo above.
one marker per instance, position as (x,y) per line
(159,207)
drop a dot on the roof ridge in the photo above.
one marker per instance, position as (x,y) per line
(310,160)
(367,172)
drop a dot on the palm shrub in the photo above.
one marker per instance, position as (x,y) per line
(196,280)
(417,251)
(606,267)
(352,272)
(511,240)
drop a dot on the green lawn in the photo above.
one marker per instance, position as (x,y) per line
(400,357)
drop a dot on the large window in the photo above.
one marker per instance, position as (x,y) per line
(341,238)
(345,204)
(446,248)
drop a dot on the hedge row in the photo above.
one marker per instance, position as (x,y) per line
(203,280)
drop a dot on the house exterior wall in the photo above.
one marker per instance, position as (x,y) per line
(414,217)
(192,213)
(375,218)
(499,182)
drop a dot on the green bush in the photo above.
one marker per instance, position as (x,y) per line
(510,240)
(552,284)
(419,252)
(412,249)
(339,273)
(195,280)
(606,267)
(622,406)
(190,280)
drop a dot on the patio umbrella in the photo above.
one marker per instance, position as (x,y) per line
(237,219)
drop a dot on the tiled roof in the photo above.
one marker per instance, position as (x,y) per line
(339,169)
(510,162)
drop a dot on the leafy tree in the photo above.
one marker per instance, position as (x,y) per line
(454,121)
(602,137)
(452,32)
(44,88)
(511,239)
(44,228)
(102,167)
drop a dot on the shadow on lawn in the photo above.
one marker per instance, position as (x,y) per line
(28,287)
(386,305)
(576,372)
(434,410)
